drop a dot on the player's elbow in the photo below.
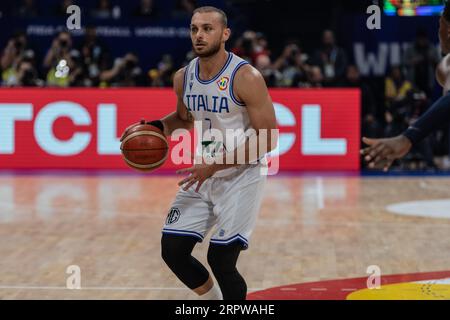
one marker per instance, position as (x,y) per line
(440,75)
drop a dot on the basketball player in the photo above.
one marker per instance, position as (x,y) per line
(382,152)
(223,92)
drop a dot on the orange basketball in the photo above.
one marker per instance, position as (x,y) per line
(144,147)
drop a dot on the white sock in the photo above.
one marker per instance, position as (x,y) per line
(213,294)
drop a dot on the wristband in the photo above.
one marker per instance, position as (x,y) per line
(158,124)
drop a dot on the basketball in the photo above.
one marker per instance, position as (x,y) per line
(144,147)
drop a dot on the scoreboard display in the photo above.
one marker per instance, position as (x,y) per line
(413,7)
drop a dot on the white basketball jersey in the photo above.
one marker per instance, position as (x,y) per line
(214,104)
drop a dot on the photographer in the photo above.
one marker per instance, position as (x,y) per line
(57,56)
(125,73)
(27,75)
(162,76)
(331,59)
(245,46)
(292,66)
(60,49)
(93,58)
(16,49)
(420,62)
(270,74)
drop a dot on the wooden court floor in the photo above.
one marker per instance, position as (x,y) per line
(309,229)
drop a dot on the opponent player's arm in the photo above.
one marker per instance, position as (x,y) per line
(181,118)
(439,113)
(385,151)
(249,87)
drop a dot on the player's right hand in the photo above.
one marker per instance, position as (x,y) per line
(383,152)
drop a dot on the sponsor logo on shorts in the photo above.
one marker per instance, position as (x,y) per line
(173,216)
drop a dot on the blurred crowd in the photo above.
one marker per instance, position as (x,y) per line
(387,109)
(405,93)
(100,9)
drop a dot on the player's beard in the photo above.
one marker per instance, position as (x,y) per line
(210,52)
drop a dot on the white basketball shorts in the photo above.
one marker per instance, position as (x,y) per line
(229,203)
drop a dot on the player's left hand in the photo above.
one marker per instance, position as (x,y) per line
(198,173)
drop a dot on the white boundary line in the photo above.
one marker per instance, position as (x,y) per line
(25,287)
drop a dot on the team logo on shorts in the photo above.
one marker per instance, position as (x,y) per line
(223,83)
(173,216)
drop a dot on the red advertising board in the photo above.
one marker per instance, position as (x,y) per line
(80,128)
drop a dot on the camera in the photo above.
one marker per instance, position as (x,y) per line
(18,45)
(28,78)
(130,64)
(247,45)
(63,43)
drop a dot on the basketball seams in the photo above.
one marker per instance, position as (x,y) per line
(145,132)
(146,166)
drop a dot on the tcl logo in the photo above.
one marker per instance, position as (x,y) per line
(311,122)
(43,127)
(108,143)
(80,128)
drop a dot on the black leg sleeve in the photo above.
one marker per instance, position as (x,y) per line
(222,260)
(176,252)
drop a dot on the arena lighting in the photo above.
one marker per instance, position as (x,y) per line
(413,7)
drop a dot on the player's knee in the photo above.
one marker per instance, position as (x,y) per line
(175,249)
(215,261)
(176,252)
(167,250)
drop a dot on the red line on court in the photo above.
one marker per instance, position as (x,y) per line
(336,289)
